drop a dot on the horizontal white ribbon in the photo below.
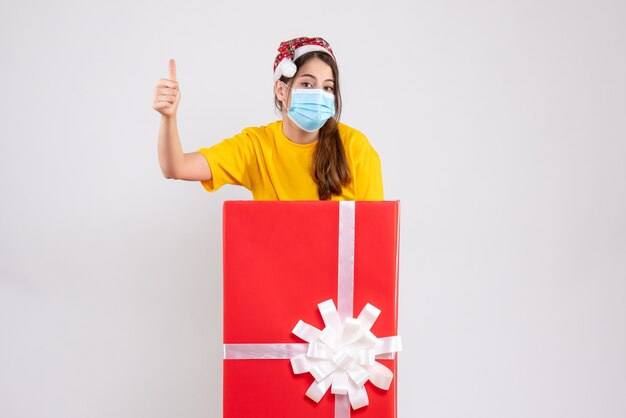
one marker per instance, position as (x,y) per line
(263,351)
(275,351)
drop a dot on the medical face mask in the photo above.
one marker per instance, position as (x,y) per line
(311,108)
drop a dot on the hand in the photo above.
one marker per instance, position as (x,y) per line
(167,94)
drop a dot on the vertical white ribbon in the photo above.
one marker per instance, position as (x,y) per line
(342,406)
(345,282)
(345,279)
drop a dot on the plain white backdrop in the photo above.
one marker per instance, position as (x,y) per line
(501,128)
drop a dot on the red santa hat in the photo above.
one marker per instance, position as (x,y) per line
(289,51)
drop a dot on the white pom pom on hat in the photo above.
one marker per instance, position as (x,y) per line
(289,51)
(286,68)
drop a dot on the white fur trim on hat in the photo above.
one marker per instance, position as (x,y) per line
(308,48)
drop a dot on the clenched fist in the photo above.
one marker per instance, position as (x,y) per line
(167,94)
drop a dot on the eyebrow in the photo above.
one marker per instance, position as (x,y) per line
(312,76)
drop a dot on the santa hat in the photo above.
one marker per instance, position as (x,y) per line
(289,51)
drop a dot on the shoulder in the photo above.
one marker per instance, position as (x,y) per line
(350,134)
(354,141)
(251,137)
(261,132)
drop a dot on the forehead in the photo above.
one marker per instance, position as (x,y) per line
(317,68)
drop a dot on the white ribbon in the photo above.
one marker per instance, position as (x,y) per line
(342,356)
(262,351)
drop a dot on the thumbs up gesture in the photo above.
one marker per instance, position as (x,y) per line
(167,94)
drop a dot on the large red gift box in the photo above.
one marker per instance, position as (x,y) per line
(281,261)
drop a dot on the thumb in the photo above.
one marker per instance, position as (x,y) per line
(172,69)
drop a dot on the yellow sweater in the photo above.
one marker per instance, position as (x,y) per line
(272,167)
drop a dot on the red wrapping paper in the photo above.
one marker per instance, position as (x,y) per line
(280,261)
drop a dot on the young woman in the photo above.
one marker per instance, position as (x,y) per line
(308,155)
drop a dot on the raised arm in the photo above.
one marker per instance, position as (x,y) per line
(174,163)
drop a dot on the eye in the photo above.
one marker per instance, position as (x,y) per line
(305,84)
(329,88)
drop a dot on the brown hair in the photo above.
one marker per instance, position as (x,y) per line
(329,166)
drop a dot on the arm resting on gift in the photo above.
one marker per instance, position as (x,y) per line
(174,163)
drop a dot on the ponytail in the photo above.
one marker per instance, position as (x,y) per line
(329,165)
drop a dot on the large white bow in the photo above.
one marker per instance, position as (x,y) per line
(343,355)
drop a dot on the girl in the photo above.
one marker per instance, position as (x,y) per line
(308,155)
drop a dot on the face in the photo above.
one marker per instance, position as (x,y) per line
(314,74)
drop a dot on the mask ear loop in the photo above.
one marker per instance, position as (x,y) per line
(286,85)
(288,94)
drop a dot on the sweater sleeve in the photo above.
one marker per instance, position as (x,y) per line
(231,161)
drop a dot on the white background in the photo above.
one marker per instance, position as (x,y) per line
(501,129)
